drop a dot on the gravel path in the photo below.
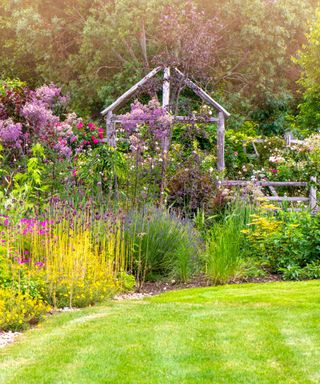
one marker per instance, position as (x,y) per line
(132,296)
(7,338)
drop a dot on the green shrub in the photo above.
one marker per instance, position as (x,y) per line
(287,242)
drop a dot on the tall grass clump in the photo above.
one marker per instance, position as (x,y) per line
(223,244)
(160,244)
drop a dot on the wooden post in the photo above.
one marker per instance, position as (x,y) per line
(166,88)
(166,140)
(111,130)
(288,137)
(313,195)
(220,142)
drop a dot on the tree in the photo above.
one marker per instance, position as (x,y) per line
(308,58)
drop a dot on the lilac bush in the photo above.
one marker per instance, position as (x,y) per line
(39,117)
(50,95)
(11,133)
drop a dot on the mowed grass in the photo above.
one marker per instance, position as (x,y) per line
(266,333)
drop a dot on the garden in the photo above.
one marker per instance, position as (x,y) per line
(145,148)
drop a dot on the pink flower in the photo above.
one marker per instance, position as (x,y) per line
(74,172)
(274,170)
(39,264)
(80,125)
(91,126)
(23,261)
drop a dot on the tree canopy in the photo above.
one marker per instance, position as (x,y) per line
(239,49)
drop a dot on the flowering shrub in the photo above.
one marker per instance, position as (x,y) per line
(19,310)
(11,133)
(287,242)
(28,115)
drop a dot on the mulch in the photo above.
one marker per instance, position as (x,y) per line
(154,288)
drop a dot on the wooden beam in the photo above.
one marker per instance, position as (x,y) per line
(202,94)
(220,142)
(243,183)
(287,198)
(273,191)
(177,119)
(123,98)
(195,119)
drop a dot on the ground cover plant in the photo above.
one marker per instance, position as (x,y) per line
(256,333)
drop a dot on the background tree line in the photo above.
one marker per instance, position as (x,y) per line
(241,50)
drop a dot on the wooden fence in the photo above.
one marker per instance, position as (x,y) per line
(311,199)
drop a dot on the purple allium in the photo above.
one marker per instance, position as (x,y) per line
(39,264)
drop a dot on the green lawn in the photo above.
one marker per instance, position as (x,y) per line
(250,334)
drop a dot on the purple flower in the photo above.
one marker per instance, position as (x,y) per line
(11,133)
(39,116)
(63,148)
(39,264)
(50,94)
(23,261)
(157,118)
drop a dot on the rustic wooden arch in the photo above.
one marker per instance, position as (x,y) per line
(111,118)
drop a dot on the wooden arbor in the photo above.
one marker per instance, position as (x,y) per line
(111,118)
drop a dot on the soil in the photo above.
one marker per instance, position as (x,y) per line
(154,288)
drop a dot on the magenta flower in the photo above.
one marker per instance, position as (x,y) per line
(91,126)
(39,264)
(23,261)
